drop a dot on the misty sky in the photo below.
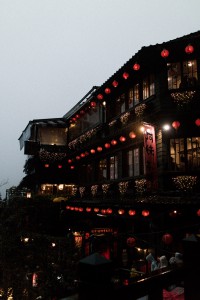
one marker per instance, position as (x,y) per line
(53,51)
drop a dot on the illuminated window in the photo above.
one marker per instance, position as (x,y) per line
(113,167)
(132,166)
(185,79)
(102,169)
(148,86)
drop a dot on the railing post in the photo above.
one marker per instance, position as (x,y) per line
(191,257)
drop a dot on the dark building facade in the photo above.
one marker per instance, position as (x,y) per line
(131,144)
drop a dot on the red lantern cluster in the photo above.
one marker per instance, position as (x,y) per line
(125,75)
(136,67)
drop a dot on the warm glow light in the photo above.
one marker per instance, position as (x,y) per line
(82,154)
(28,195)
(59,166)
(189,49)
(113,142)
(93,104)
(176,124)
(142,128)
(88,209)
(96,209)
(121,211)
(104,103)
(100,97)
(115,83)
(69,161)
(131,212)
(166,127)
(122,139)
(61,187)
(197,122)
(72,167)
(99,149)
(125,75)
(109,210)
(107,145)
(92,151)
(46,165)
(164,53)
(107,91)
(132,135)
(136,67)
(145,213)
(78,157)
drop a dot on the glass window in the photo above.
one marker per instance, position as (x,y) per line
(132,163)
(130,98)
(113,167)
(120,104)
(102,169)
(174,75)
(185,154)
(182,79)
(148,86)
(136,94)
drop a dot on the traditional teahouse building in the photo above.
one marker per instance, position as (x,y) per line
(130,147)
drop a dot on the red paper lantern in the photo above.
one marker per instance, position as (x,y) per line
(122,139)
(107,91)
(69,161)
(78,157)
(46,165)
(132,135)
(99,149)
(82,112)
(96,209)
(80,209)
(167,238)
(176,124)
(145,213)
(198,212)
(93,104)
(164,53)
(136,67)
(103,211)
(131,212)
(88,209)
(113,142)
(189,49)
(197,122)
(109,210)
(77,116)
(115,83)
(131,241)
(107,145)
(121,211)
(82,154)
(59,166)
(125,75)
(100,97)
(72,167)
(92,151)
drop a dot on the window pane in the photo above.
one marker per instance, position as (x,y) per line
(113,167)
(189,73)
(136,94)
(193,152)
(174,75)
(102,169)
(136,162)
(130,98)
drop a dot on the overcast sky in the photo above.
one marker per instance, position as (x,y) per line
(53,51)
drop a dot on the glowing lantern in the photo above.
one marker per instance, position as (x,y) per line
(176,124)
(86,153)
(109,210)
(92,151)
(107,91)
(145,213)
(69,161)
(82,154)
(80,209)
(132,135)
(115,83)
(74,119)
(136,67)
(100,97)
(93,104)
(197,122)
(107,145)
(113,142)
(46,165)
(78,157)
(122,139)
(198,212)
(59,166)
(167,239)
(77,116)
(121,211)
(131,241)
(131,212)
(96,209)
(72,167)
(125,75)
(103,211)
(99,149)
(88,209)
(189,49)
(164,53)
(34,280)
(72,208)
